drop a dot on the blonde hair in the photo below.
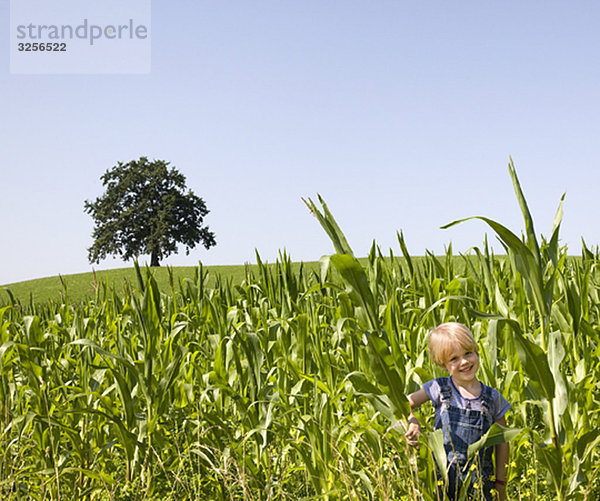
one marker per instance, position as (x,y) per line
(442,340)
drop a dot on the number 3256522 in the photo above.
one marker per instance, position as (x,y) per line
(42,47)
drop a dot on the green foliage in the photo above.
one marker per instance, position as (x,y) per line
(289,383)
(538,268)
(146,209)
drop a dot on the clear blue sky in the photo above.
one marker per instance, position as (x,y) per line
(401,114)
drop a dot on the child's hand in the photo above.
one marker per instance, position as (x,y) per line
(500,489)
(413,432)
(500,492)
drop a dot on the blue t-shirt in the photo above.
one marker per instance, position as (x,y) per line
(499,405)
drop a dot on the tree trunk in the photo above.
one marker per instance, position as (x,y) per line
(154,259)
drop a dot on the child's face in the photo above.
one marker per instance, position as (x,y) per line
(462,365)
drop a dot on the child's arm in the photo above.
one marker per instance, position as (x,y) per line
(502,451)
(414,427)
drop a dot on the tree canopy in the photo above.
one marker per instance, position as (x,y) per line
(146,209)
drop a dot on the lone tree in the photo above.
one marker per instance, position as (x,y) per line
(146,210)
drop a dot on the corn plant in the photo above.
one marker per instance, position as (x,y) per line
(291,384)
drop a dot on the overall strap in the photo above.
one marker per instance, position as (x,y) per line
(445,390)
(487,402)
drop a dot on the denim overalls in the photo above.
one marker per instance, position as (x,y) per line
(462,427)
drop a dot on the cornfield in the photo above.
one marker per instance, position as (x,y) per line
(291,384)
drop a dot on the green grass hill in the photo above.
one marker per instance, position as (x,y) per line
(81,286)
